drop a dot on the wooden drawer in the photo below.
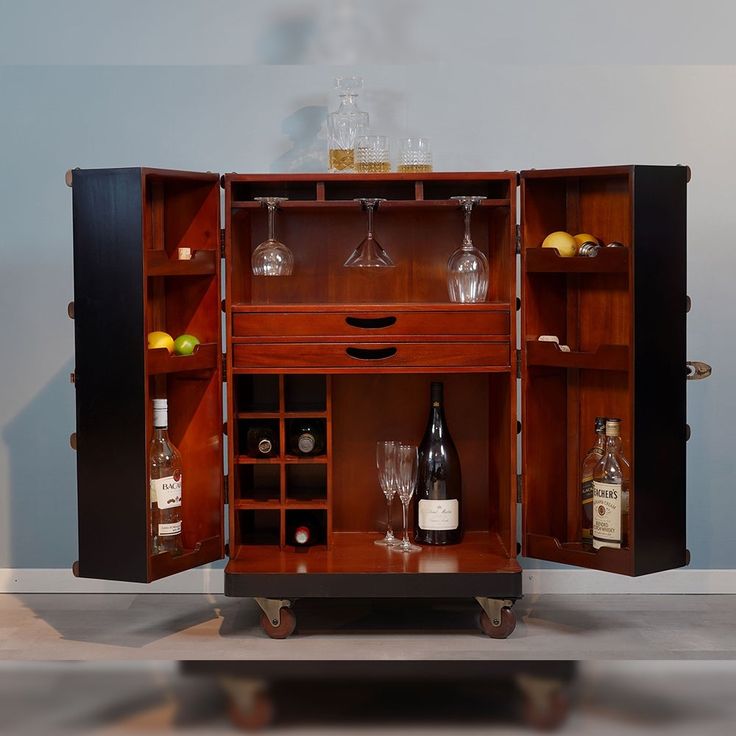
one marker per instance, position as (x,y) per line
(371,324)
(371,356)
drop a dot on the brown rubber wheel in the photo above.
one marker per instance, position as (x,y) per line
(284,629)
(255,718)
(508,624)
(549,715)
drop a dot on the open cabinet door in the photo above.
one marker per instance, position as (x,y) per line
(622,314)
(129,279)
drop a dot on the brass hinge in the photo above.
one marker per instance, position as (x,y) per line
(518,363)
(518,488)
(222,242)
(224,367)
(518,240)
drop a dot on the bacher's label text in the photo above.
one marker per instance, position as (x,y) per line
(606,514)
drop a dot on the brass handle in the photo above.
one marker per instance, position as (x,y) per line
(73,440)
(370,353)
(70,310)
(370,323)
(697,370)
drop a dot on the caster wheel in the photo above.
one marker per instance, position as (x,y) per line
(508,624)
(257,716)
(284,629)
(548,714)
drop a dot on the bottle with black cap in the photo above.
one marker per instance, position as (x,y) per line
(261,442)
(438,510)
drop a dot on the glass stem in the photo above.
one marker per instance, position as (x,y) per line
(369,208)
(389,531)
(405,511)
(467,242)
(272,221)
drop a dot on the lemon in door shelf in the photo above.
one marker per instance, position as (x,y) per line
(564,243)
(183,345)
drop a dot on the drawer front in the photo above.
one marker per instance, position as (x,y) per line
(371,325)
(370,356)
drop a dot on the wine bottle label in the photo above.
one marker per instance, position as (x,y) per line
(166,492)
(169,530)
(306,442)
(439,515)
(607,509)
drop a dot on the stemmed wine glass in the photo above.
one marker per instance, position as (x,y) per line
(369,253)
(467,268)
(407,463)
(386,457)
(271,257)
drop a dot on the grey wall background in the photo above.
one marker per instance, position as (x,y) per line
(245,86)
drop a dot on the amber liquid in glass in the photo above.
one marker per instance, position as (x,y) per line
(414,168)
(374,167)
(342,159)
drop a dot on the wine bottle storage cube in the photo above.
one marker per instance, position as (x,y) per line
(306,482)
(305,393)
(258,482)
(258,393)
(258,439)
(258,527)
(305,528)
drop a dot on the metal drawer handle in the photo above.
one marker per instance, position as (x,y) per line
(370,323)
(697,370)
(370,353)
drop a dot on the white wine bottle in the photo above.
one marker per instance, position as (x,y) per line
(166,485)
(438,510)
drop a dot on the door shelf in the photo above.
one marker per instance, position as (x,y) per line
(202,263)
(165,564)
(574,553)
(548,260)
(160,361)
(605,357)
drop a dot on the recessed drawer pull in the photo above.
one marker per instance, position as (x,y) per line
(370,353)
(370,323)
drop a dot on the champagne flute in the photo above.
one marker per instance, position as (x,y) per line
(408,462)
(386,455)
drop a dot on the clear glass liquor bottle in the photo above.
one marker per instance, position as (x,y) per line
(345,125)
(165,468)
(611,487)
(591,459)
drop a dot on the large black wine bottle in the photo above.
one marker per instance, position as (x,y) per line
(438,509)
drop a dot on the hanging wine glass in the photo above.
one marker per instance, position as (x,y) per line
(467,268)
(369,254)
(271,257)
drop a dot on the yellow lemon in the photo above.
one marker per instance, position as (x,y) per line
(563,242)
(160,339)
(581,238)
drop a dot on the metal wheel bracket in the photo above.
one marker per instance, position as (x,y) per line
(697,370)
(492,607)
(244,692)
(272,608)
(539,690)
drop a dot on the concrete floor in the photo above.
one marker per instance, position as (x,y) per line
(178,627)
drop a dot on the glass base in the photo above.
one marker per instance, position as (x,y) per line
(406,547)
(388,541)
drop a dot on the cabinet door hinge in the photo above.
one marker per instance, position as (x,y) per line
(518,488)
(518,363)
(222,242)
(224,367)
(225,488)
(518,239)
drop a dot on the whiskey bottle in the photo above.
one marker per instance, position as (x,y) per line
(592,458)
(438,511)
(306,437)
(165,469)
(261,442)
(345,125)
(611,492)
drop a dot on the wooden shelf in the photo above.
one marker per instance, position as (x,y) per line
(167,564)
(305,460)
(576,553)
(252,503)
(349,204)
(306,504)
(355,552)
(204,357)
(605,357)
(548,260)
(248,460)
(368,307)
(278,415)
(158,263)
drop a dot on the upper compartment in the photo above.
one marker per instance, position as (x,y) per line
(419,225)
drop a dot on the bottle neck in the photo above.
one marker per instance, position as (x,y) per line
(160,433)
(600,440)
(436,413)
(348,103)
(613,445)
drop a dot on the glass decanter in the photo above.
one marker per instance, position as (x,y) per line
(345,124)
(271,257)
(467,267)
(369,253)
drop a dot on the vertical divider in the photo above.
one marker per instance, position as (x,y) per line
(330,459)
(282,462)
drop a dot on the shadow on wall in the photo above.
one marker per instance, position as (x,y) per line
(306,130)
(42,507)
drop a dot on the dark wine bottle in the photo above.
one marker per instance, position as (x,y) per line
(306,437)
(438,510)
(261,442)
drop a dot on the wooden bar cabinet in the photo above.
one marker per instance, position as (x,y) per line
(356,350)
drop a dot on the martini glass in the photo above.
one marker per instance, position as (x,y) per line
(272,257)
(467,268)
(369,254)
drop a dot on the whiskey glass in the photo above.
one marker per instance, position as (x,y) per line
(369,253)
(372,154)
(467,267)
(407,465)
(386,457)
(272,257)
(415,156)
